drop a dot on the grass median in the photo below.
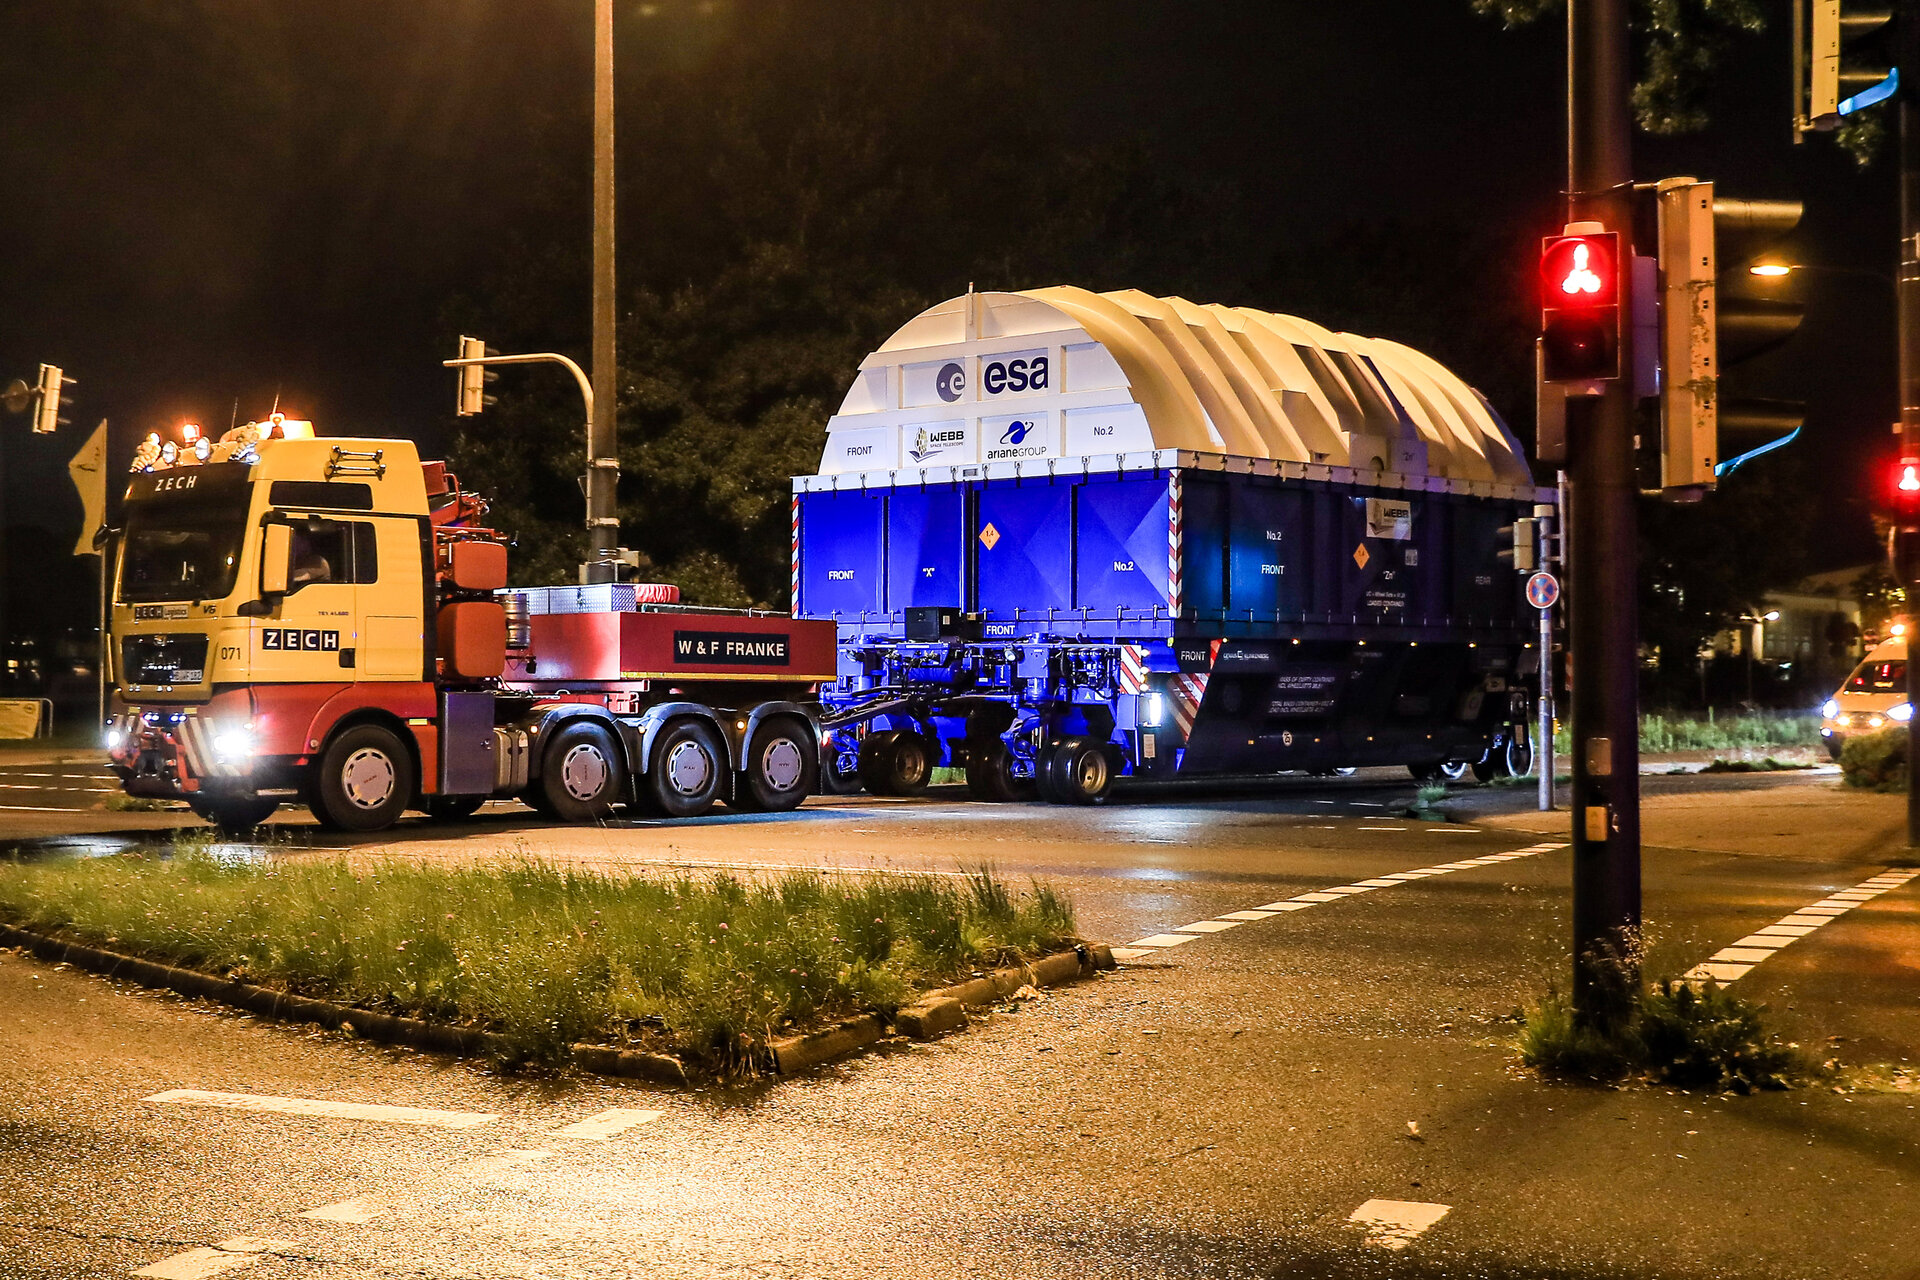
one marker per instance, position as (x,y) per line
(707,967)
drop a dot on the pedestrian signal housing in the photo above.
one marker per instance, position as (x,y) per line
(1580,305)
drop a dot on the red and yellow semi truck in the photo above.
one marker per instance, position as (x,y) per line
(328,621)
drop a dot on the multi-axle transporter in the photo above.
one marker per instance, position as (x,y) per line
(1069,536)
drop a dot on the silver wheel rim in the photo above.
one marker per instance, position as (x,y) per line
(367,778)
(689,768)
(584,771)
(782,764)
(1454,770)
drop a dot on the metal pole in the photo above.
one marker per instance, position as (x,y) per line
(1908,287)
(603,457)
(106,644)
(1543,743)
(1602,570)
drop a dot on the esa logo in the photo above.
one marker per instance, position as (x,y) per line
(1015,375)
(951,383)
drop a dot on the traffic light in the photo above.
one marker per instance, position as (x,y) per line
(46,412)
(1520,544)
(1847,58)
(474,378)
(1580,304)
(1903,505)
(1707,428)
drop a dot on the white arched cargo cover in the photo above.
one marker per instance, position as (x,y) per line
(1061,372)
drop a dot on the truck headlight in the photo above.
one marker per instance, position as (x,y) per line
(1902,713)
(1151,711)
(233,744)
(1830,708)
(116,737)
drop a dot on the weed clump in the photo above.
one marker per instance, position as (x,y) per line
(545,956)
(1668,1032)
(1876,760)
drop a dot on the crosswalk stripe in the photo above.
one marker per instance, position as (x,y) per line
(430,1117)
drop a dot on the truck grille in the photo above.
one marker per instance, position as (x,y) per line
(164,659)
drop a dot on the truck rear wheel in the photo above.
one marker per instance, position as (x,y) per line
(235,817)
(685,772)
(581,773)
(781,767)
(895,763)
(1079,771)
(364,780)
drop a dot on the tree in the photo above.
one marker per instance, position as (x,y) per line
(790,196)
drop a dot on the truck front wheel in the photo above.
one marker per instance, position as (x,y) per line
(781,766)
(364,780)
(581,774)
(685,771)
(1078,771)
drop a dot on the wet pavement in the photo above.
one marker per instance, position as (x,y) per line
(1226,1106)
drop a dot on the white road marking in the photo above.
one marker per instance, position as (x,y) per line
(197,1264)
(1395,1224)
(608,1123)
(431,1117)
(1732,963)
(38,808)
(353,1212)
(1142,947)
(1380,828)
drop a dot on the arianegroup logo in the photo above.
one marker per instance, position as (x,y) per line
(951,382)
(1016,432)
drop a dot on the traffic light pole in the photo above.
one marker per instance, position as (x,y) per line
(1602,595)
(1908,63)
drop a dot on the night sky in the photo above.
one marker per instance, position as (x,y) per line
(238,199)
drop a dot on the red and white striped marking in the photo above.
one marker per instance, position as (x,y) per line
(1184,692)
(793,597)
(1173,545)
(1133,668)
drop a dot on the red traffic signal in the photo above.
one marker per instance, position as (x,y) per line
(1903,493)
(1580,271)
(1580,306)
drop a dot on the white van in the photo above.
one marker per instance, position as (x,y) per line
(1874,696)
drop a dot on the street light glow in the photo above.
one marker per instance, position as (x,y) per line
(1772,270)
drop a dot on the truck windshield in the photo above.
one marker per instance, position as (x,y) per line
(184,550)
(1879,677)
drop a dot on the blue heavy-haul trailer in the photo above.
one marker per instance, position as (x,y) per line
(1068,537)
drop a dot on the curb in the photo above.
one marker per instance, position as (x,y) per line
(937,1012)
(384,1028)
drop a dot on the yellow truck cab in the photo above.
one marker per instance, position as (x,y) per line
(1872,698)
(327,620)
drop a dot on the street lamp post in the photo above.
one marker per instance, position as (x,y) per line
(603,454)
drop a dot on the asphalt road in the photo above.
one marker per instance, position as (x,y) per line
(1222,1106)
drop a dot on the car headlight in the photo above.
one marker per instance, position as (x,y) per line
(1874,722)
(1830,708)
(1902,713)
(233,744)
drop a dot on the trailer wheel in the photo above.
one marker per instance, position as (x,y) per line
(236,817)
(895,763)
(453,808)
(990,775)
(685,773)
(1519,754)
(1079,771)
(835,781)
(364,780)
(581,773)
(1454,770)
(781,767)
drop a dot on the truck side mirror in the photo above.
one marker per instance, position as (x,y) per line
(276,553)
